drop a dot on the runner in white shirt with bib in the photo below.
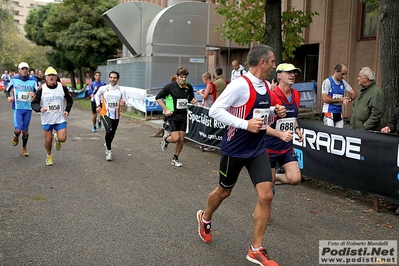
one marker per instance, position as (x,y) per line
(112,98)
(50,102)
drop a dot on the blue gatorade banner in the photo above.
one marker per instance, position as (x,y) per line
(366,161)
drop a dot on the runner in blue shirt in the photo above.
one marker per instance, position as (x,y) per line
(20,92)
(6,79)
(94,86)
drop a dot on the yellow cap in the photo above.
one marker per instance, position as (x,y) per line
(50,71)
(287,67)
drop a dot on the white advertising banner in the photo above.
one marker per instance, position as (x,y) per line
(135,97)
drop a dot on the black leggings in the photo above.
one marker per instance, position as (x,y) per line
(110,126)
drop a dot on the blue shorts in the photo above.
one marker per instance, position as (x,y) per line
(282,158)
(22,119)
(56,127)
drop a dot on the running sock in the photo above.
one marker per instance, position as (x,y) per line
(254,249)
(205,222)
(175,157)
(166,139)
(25,140)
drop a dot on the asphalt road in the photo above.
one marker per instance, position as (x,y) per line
(141,210)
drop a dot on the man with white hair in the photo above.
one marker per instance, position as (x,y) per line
(368,107)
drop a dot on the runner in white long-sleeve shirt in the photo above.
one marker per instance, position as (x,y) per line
(244,107)
(109,99)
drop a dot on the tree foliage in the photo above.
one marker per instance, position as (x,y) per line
(294,21)
(34,26)
(7,30)
(242,21)
(14,48)
(372,5)
(85,37)
(246,22)
(75,29)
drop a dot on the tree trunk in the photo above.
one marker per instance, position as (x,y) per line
(389,39)
(82,78)
(73,80)
(273,27)
(92,70)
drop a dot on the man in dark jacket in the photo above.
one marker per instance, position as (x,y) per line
(393,124)
(393,127)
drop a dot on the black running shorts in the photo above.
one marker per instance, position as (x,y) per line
(177,125)
(258,169)
(110,124)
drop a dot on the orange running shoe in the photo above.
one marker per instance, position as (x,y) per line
(260,257)
(204,229)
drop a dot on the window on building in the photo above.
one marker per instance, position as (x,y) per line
(368,22)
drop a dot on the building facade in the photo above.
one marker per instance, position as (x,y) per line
(342,32)
(20,10)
